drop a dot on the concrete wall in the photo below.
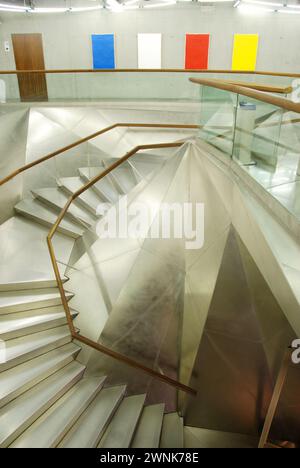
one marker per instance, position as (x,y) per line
(67,42)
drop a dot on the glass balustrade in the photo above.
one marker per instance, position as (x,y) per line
(128,85)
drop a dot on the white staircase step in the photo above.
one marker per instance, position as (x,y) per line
(89,428)
(21,378)
(34,210)
(149,429)
(21,285)
(104,188)
(31,321)
(122,177)
(20,301)
(145,163)
(57,200)
(27,347)
(20,413)
(52,426)
(172,435)
(121,429)
(89,199)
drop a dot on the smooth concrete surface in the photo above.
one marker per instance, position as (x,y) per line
(88,430)
(121,430)
(149,429)
(49,429)
(195,437)
(21,413)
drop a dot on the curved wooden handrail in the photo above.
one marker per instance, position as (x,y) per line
(87,138)
(151,70)
(276,101)
(75,335)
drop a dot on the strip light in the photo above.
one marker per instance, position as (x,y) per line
(257,7)
(161,4)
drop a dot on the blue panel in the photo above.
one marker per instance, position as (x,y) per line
(103,51)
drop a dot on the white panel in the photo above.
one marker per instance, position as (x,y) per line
(149,50)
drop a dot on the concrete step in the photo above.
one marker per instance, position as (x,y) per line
(32,321)
(90,427)
(20,413)
(19,301)
(21,378)
(57,199)
(121,429)
(34,210)
(89,200)
(104,188)
(52,426)
(27,347)
(150,426)
(172,435)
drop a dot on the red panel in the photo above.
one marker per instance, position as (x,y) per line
(196,51)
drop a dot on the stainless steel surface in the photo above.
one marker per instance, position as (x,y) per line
(237,362)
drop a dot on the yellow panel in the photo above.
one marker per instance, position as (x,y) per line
(245,52)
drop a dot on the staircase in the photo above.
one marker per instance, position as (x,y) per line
(46,398)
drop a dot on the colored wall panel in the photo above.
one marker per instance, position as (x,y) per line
(149,50)
(245,49)
(103,51)
(196,51)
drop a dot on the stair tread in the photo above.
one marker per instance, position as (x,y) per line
(122,176)
(31,318)
(18,379)
(21,284)
(14,301)
(88,430)
(104,187)
(35,210)
(59,199)
(26,344)
(90,199)
(122,427)
(172,435)
(20,413)
(149,428)
(51,427)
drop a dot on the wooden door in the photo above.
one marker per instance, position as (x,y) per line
(29,55)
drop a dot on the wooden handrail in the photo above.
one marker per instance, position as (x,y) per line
(251,93)
(280,382)
(87,138)
(151,70)
(262,87)
(75,335)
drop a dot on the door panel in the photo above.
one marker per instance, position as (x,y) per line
(29,55)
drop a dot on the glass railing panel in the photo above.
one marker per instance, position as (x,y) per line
(217,118)
(257,133)
(267,145)
(9,88)
(143,85)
